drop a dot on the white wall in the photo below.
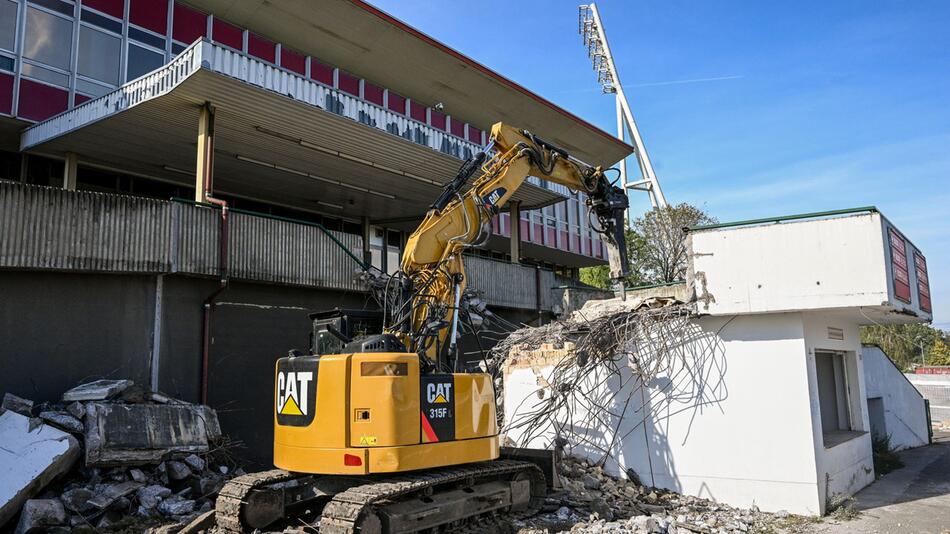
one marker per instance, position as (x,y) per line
(905,417)
(733,423)
(845,468)
(798,265)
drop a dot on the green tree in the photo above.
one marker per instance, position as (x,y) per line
(903,343)
(939,353)
(656,247)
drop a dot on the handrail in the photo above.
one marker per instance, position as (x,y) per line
(782,218)
(277,218)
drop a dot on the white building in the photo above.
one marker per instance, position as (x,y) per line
(770,405)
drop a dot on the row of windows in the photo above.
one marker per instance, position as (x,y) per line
(107,46)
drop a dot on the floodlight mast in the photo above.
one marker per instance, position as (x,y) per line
(595,39)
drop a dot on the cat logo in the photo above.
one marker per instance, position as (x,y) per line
(493,197)
(292,389)
(438,393)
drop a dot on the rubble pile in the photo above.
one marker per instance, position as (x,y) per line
(591,501)
(110,457)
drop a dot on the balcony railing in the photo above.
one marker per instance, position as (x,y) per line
(44,228)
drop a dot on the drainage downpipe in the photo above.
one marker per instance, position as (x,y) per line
(207,310)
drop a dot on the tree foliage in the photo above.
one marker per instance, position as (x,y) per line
(656,247)
(909,345)
(939,353)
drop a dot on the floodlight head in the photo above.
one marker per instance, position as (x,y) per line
(588,27)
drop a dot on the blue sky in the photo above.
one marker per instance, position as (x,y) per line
(751,109)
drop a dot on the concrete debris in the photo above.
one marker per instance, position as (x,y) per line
(176,506)
(177,470)
(77,500)
(29,460)
(149,461)
(40,514)
(98,390)
(18,405)
(593,502)
(151,496)
(128,434)
(195,462)
(63,421)
(110,493)
(77,410)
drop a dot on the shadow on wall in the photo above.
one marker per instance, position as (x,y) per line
(621,420)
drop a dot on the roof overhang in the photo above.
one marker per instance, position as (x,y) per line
(370,43)
(275,139)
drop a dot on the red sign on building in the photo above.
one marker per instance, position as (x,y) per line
(899,268)
(923,284)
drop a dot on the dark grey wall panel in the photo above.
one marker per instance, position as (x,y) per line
(59,329)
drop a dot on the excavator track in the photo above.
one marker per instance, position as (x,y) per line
(349,510)
(354,510)
(230,505)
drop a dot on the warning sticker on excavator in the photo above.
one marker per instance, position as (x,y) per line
(368,440)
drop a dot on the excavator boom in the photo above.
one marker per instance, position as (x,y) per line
(459,219)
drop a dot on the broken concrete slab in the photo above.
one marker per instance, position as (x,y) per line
(177,470)
(96,391)
(18,405)
(77,500)
(40,514)
(113,492)
(63,421)
(195,462)
(30,460)
(176,506)
(77,409)
(130,434)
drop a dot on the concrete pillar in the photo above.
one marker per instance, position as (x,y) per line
(69,171)
(204,167)
(367,251)
(514,228)
(24,167)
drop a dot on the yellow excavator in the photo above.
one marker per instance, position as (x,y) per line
(383,434)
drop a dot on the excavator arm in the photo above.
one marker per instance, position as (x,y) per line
(432,260)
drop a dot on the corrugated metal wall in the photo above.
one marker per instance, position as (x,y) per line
(508,284)
(49,228)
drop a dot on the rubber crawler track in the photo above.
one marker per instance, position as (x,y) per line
(341,514)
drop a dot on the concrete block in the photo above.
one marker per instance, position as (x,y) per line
(129,434)
(30,460)
(40,514)
(63,421)
(96,391)
(18,405)
(113,492)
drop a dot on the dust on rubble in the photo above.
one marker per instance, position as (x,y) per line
(122,462)
(593,502)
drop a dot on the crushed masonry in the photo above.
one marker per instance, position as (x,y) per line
(137,473)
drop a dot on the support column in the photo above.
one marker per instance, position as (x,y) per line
(204,167)
(69,171)
(514,228)
(367,251)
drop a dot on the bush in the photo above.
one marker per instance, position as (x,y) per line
(885,458)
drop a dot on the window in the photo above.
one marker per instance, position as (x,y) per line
(142,61)
(48,38)
(8,11)
(91,88)
(40,73)
(833,402)
(99,55)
